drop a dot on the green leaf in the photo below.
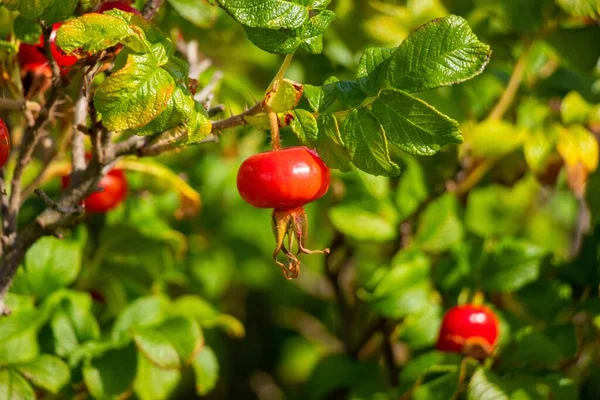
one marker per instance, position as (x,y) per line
(14,387)
(485,385)
(493,138)
(27,31)
(441,53)
(153,383)
(372,68)
(59,11)
(361,224)
(111,374)
(412,189)
(435,362)
(94,32)
(207,316)
(510,265)
(349,93)
(29,9)
(47,372)
(414,125)
(134,95)
(269,14)
(581,8)
(440,388)
(143,312)
(284,41)
(50,264)
(198,12)
(18,336)
(440,228)
(171,344)
(405,288)
(320,98)
(206,369)
(72,322)
(180,108)
(330,145)
(421,330)
(285,97)
(366,143)
(304,126)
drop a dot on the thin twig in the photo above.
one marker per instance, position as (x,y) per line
(388,355)
(514,82)
(151,8)
(53,205)
(19,105)
(203,95)
(3,209)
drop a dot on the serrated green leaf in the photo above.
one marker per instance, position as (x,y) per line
(320,98)
(330,145)
(349,93)
(29,10)
(269,14)
(134,95)
(485,385)
(285,41)
(47,372)
(94,32)
(414,125)
(443,52)
(371,73)
(180,109)
(198,12)
(304,126)
(111,374)
(50,264)
(198,126)
(18,336)
(511,264)
(27,31)
(366,143)
(59,11)
(153,383)
(14,387)
(285,97)
(172,344)
(206,369)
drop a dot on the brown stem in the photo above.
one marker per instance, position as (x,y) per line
(151,8)
(236,120)
(388,355)
(19,105)
(513,85)
(3,209)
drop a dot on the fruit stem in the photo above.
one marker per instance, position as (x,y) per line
(281,73)
(274,122)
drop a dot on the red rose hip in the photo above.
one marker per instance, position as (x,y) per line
(469,329)
(4,143)
(112,192)
(283,179)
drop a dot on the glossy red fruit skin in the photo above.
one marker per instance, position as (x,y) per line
(111,5)
(113,192)
(4,143)
(468,324)
(283,179)
(31,57)
(63,60)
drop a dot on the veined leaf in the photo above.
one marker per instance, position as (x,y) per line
(414,125)
(330,145)
(269,14)
(443,52)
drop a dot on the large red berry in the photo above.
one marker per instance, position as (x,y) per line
(112,192)
(467,329)
(4,143)
(31,57)
(119,5)
(62,59)
(283,179)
